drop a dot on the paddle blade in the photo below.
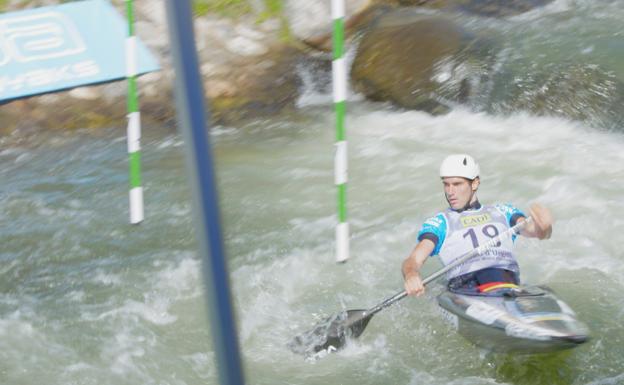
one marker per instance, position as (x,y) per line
(331,334)
(357,321)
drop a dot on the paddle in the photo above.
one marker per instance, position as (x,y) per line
(331,334)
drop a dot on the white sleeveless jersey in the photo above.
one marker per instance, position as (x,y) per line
(470,229)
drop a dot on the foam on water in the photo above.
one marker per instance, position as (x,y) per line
(615,380)
(182,279)
(524,158)
(316,88)
(154,311)
(85,298)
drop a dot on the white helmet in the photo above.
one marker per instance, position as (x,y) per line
(459,165)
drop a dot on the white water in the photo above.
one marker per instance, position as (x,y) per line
(393,187)
(86,298)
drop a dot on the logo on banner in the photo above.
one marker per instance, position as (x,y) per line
(37,38)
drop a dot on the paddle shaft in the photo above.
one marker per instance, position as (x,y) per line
(479,250)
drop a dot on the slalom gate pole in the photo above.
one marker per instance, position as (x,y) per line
(134,122)
(339,77)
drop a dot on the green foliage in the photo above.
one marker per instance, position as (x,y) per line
(237,8)
(285,33)
(3,5)
(274,9)
(229,8)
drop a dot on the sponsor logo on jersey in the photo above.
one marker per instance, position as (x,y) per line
(475,220)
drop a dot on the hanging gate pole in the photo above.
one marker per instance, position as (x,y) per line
(339,72)
(134,122)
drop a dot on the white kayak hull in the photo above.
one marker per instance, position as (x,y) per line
(525,320)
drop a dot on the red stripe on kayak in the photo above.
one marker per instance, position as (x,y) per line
(495,285)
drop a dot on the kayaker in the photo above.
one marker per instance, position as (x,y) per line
(464,226)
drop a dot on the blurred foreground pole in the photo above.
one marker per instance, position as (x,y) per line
(192,119)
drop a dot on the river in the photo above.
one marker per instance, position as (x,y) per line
(86,298)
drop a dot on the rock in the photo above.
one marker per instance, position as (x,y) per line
(51,99)
(312,18)
(153,11)
(314,27)
(244,46)
(84,93)
(249,33)
(149,84)
(64,113)
(216,89)
(209,69)
(416,61)
(256,87)
(272,25)
(114,91)
(354,25)
(247,72)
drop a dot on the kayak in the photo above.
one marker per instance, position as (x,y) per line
(527,319)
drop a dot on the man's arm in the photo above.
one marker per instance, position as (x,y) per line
(541,226)
(413,263)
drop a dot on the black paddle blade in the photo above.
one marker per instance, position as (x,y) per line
(331,334)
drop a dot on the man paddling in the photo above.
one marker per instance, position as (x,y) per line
(464,226)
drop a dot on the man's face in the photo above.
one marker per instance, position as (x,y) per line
(458,191)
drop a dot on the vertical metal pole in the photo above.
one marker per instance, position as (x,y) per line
(192,118)
(339,71)
(134,122)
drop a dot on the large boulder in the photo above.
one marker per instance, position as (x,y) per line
(418,62)
(310,21)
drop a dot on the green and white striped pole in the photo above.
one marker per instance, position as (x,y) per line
(339,72)
(134,121)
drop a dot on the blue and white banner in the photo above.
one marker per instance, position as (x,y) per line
(54,48)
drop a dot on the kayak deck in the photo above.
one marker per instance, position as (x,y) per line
(529,319)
